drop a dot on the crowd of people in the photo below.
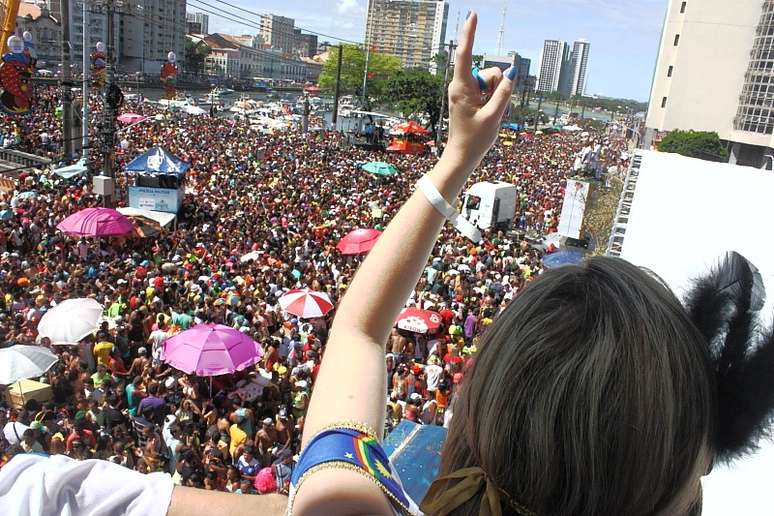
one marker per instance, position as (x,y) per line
(289,198)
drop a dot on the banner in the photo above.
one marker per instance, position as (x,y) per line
(168,200)
(573,209)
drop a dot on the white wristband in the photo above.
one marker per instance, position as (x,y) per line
(435,198)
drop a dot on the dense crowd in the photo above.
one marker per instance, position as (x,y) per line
(289,197)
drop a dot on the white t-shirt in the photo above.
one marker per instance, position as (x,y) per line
(36,485)
(433,373)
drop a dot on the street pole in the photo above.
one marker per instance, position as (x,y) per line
(337,92)
(439,129)
(365,74)
(305,119)
(66,84)
(112,102)
(556,112)
(85,90)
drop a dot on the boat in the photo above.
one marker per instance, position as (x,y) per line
(222,91)
(245,106)
(312,89)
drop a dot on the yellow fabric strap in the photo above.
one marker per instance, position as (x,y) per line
(441,499)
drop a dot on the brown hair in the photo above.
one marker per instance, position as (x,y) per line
(592,394)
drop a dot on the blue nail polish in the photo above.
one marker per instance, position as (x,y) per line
(511,72)
(482,84)
(468,15)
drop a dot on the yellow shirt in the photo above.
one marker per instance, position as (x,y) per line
(238,438)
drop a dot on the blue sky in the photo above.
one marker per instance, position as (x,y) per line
(624,34)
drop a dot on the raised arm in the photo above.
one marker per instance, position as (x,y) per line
(351,383)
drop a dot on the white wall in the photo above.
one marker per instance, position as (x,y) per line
(716,37)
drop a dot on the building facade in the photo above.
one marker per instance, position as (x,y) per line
(553,59)
(146,39)
(411,30)
(278,32)
(715,72)
(305,45)
(522,65)
(46,33)
(579,63)
(201,20)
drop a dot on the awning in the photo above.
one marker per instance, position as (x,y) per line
(162,218)
(73,170)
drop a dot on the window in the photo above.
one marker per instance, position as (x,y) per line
(473,202)
(677,39)
(682,7)
(663,102)
(669,72)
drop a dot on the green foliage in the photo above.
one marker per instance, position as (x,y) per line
(380,68)
(195,55)
(415,91)
(478,59)
(695,144)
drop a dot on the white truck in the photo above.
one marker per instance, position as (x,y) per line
(488,204)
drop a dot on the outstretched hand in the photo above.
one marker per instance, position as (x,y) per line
(475,115)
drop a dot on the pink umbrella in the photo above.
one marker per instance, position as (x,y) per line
(131,118)
(210,350)
(305,303)
(96,222)
(358,241)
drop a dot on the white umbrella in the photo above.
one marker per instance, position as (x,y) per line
(306,304)
(70,321)
(22,361)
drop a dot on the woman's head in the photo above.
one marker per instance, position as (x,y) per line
(591,394)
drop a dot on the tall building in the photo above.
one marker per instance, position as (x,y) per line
(411,30)
(200,20)
(277,32)
(579,63)
(553,59)
(713,76)
(522,65)
(145,40)
(304,45)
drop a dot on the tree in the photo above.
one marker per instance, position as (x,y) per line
(704,145)
(380,68)
(415,91)
(195,54)
(478,60)
(531,116)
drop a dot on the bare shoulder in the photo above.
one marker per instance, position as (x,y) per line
(341,492)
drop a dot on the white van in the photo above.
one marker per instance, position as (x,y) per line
(489,205)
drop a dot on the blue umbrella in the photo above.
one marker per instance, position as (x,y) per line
(562,258)
(6,215)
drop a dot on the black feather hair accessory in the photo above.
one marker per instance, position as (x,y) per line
(724,305)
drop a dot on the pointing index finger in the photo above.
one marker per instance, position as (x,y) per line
(464,55)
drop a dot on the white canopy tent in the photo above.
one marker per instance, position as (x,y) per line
(162,218)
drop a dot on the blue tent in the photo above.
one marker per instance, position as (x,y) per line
(157,161)
(561,258)
(512,126)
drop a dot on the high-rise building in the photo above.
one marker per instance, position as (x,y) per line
(277,32)
(579,62)
(713,76)
(411,30)
(553,59)
(145,40)
(305,45)
(201,20)
(522,65)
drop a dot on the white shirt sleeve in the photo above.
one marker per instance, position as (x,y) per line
(40,486)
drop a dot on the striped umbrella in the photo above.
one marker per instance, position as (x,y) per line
(305,303)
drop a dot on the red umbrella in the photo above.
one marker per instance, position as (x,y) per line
(409,127)
(419,321)
(305,303)
(358,241)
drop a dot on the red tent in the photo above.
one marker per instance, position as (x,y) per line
(410,127)
(406,147)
